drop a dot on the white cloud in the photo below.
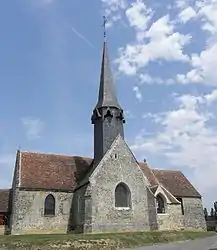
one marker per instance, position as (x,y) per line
(211,97)
(204,68)
(186,138)
(160,40)
(181,4)
(187,14)
(138,93)
(203,64)
(164,45)
(145,78)
(33,127)
(112,10)
(207,13)
(139,16)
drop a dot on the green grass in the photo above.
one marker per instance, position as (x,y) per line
(96,241)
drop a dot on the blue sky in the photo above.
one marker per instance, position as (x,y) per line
(164,65)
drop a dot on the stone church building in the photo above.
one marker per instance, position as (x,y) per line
(111,192)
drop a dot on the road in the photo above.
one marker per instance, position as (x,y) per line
(209,243)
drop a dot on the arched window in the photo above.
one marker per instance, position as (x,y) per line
(49,205)
(160,204)
(122,196)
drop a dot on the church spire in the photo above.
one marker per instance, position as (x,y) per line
(107,96)
(108,117)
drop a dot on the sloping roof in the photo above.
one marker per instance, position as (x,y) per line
(154,189)
(176,183)
(160,189)
(170,196)
(148,173)
(50,171)
(4,200)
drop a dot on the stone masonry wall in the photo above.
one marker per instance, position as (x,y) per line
(119,165)
(172,219)
(28,214)
(193,214)
(82,210)
(2,230)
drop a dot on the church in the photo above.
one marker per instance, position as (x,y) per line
(111,192)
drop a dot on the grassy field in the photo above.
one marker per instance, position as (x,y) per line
(95,241)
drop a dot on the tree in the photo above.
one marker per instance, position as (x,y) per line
(205,213)
(212,213)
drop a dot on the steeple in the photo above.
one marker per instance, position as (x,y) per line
(107,96)
(108,117)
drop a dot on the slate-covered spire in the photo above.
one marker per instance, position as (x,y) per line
(107,96)
(108,117)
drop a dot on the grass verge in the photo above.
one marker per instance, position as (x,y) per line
(96,241)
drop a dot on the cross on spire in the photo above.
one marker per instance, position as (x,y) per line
(104,25)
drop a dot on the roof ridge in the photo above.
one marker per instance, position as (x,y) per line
(63,155)
(168,170)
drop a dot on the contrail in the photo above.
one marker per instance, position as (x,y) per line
(82,37)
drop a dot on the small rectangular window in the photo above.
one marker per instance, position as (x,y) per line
(78,203)
(182,207)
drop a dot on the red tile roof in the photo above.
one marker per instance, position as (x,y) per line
(4,200)
(148,173)
(50,171)
(176,183)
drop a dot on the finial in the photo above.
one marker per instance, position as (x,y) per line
(19,148)
(104,25)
